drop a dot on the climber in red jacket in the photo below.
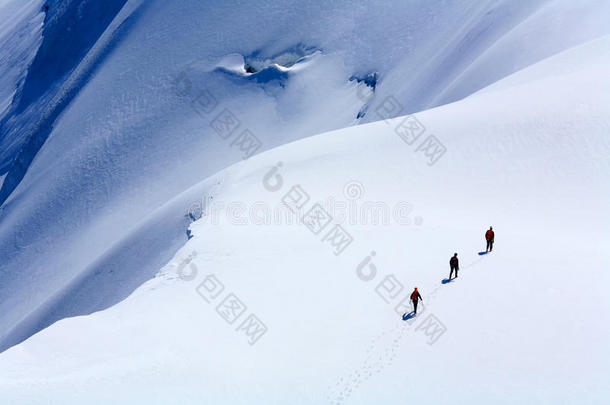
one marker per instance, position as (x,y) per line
(489,237)
(415,296)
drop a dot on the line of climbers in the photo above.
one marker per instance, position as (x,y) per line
(454,265)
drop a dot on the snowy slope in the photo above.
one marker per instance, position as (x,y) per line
(108,135)
(20,36)
(524,324)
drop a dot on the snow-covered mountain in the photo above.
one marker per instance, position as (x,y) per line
(112,147)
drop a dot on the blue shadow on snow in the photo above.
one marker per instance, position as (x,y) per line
(406,317)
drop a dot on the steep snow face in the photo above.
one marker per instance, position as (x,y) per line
(254,309)
(494,42)
(168,93)
(55,75)
(20,37)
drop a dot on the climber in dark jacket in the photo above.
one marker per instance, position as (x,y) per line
(454,265)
